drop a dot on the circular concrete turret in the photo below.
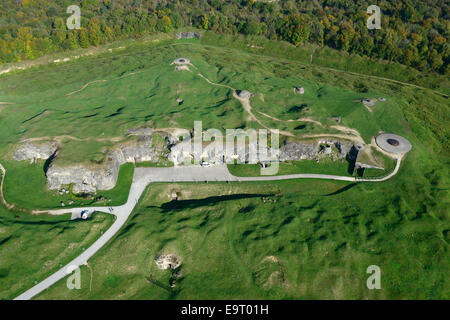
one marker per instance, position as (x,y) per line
(393,143)
(182,61)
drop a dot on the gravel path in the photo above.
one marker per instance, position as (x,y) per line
(5,203)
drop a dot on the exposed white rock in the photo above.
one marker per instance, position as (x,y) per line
(244,94)
(298,151)
(83,179)
(30,151)
(188,35)
(169,261)
(299,90)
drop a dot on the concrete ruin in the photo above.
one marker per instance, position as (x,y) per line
(169,261)
(181,61)
(88,178)
(34,151)
(244,94)
(294,151)
(181,64)
(188,35)
(369,102)
(291,151)
(337,119)
(363,161)
(299,90)
(393,143)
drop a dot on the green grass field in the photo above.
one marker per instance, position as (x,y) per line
(34,247)
(309,239)
(338,167)
(280,240)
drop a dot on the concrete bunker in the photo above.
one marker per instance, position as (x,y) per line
(393,143)
(244,94)
(299,90)
(181,61)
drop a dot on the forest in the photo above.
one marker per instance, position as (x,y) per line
(413,32)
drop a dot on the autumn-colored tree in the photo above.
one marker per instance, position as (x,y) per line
(204,22)
(164,24)
(25,39)
(94,32)
(418,26)
(435,60)
(109,34)
(296,29)
(72,40)
(84,38)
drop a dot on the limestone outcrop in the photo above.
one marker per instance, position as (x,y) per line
(32,151)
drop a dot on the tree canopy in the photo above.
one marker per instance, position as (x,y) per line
(414,32)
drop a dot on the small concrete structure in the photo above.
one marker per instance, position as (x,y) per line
(369,102)
(364,162)
(188,35)
(299,90)
(181,68)
(382,99)
(326,149)
(182,61)
(169,261)
(337,119)
(244,94)
(393,143)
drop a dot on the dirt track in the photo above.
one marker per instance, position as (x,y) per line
(5,203)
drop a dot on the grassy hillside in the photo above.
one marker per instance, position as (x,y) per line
(329,58)
(307,239)
(34,247)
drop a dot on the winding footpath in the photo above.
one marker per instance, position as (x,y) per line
(2,181)
(141,179)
